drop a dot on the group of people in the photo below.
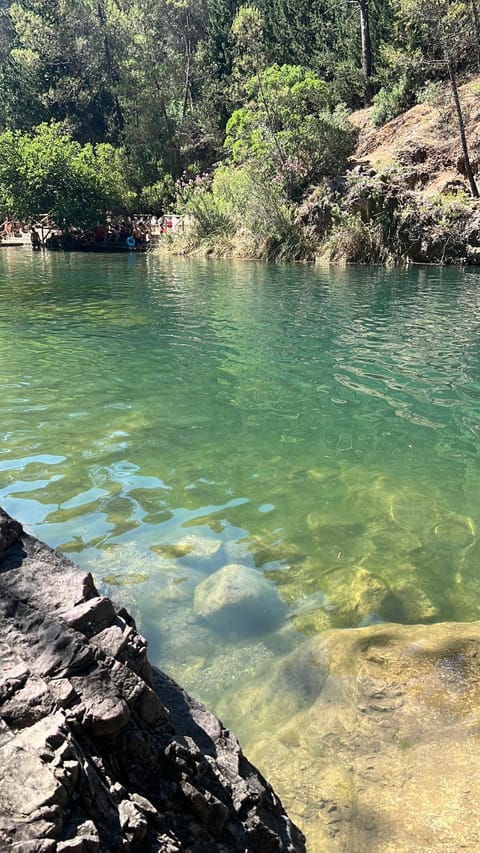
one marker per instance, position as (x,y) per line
(128,233)
(11,228)
(120,231)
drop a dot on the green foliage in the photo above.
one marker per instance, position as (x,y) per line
(159,196)
(357,242)
(195,197)
(289,130)
(402,75)
(59,67)
(432,93)
(159,81)
(252,203)
(390,102)
(237,203)
(435,230)
(249,56)
(313,33)
(208,219)
(438,28)
(348,85)
(451,207)
(48,172)
(247,33)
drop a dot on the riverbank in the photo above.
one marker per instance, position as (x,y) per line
(403,199)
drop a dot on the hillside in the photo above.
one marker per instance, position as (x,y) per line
(424,141)
(405,196)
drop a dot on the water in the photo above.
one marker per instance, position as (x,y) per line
(161,419)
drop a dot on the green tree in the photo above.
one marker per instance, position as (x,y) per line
(444,30)
(339,39)
(289,128)
(48,172)
(60,67)
(249,55)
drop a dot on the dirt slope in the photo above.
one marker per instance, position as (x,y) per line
(425,140)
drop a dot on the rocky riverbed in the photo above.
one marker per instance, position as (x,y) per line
(375,743)
(99,750)
(370,734)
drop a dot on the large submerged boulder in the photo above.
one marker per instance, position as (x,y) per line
(239,600)
(375,742)
(100,751)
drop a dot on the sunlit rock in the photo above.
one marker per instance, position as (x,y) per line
(355,594)
(414,603)
(358,597)
(379,750)
(192,549)
(264,553)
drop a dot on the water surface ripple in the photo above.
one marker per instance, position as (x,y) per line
(161,419)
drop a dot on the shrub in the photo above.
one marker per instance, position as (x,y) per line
(260,207)
(159,196)
(289,129)
(390,102)
(348,85)
(402,75)
(194,196)
(357,242)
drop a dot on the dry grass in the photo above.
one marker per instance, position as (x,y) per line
(433,129)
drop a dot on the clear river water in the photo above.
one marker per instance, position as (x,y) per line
(321,426)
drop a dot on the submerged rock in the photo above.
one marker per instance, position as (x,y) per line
(379,750)
(239,600)
(100,751)
(192,549)
(357,597)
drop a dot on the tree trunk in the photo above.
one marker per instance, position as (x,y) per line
(476,22)
(461,127)
(111,74)
(187,95)
(367,62)
(270,120)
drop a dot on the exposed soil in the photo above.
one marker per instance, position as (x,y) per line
(424,140)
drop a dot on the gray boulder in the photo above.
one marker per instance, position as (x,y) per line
(239,600)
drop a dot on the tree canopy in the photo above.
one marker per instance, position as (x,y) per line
(49,172)
(288,128)
(167,83)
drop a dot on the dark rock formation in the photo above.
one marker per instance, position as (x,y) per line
(99,751)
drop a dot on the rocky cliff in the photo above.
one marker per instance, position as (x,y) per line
(100,751)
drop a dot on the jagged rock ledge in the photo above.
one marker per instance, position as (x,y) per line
(99,750)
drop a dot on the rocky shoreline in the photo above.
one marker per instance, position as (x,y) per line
(99,750)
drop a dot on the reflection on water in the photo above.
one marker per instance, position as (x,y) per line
(163,419)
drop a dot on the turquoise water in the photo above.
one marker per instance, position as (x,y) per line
(163,418)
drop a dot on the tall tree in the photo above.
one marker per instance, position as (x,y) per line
(444,30)
(61,67)
(366,41)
